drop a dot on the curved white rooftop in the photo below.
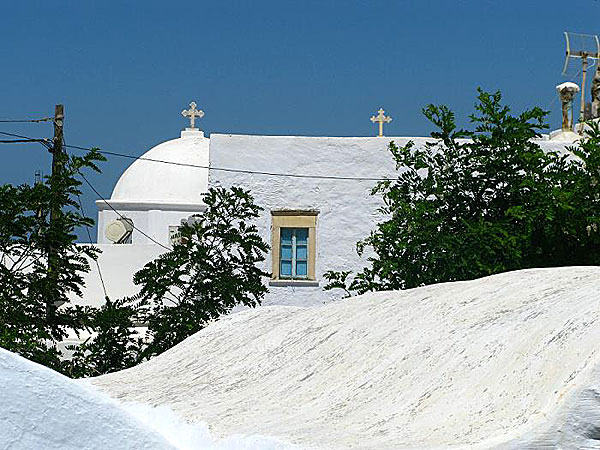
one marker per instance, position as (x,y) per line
(509,361)
(151,182)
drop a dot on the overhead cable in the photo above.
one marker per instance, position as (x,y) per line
(87,229)
(44,141)
(45,119)
(220,169)
(224,169)
(20,141)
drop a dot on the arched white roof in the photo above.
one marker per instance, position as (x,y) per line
(152,182)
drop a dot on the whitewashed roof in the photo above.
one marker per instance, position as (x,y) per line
(155,182)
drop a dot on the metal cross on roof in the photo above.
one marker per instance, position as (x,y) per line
(192,113)
(381,118)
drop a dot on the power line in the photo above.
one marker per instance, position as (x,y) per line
(87,229)
(19,141)
(45,119)
(45,141)
(224,169)
(118,213)
(15,135)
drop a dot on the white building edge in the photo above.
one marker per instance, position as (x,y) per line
(326,217)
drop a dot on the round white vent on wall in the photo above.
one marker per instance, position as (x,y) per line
(118,231)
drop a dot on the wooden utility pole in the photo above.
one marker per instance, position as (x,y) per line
(55,208)
(584,57)
(57,142)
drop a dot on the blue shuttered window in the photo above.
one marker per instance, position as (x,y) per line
(294,253)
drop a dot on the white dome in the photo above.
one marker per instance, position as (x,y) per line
(154,182)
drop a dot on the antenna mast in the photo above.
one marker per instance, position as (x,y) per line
(582,46)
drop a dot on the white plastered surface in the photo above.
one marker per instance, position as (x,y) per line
(478,363)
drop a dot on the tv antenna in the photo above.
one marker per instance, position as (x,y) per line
(583,47)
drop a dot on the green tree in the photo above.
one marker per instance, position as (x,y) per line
(474,203)
(115,341)
(213,267)
(41,265)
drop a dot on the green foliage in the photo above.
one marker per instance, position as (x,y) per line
(113,344)
(40,263)
(466,208)
(212,268)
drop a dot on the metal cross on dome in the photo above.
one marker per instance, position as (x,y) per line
(192,113)
(381,118)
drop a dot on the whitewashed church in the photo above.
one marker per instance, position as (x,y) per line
(312,218)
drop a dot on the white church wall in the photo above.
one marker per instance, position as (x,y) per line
(347,211)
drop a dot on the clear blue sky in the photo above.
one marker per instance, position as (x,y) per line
(124,70)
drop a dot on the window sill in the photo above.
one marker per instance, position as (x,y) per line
(294,283)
